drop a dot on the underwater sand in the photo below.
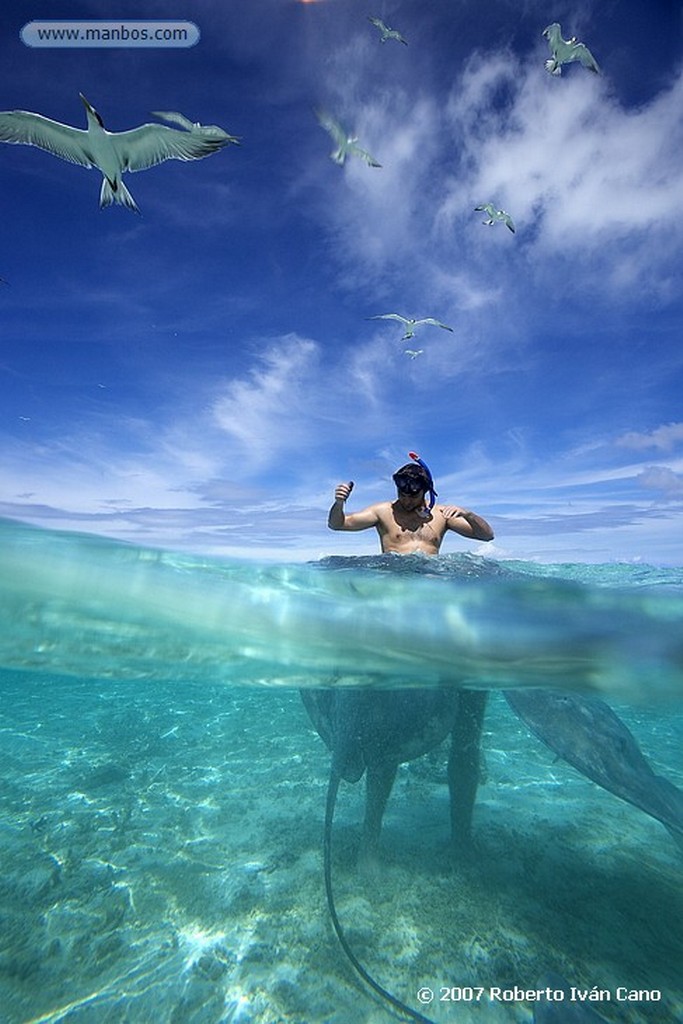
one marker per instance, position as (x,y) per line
(161,861)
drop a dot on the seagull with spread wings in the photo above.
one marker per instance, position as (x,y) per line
(494,215)
(345,143)
(410,323)
(564,51)
(113,153)
(387,33)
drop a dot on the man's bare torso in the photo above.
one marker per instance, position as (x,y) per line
(405,531)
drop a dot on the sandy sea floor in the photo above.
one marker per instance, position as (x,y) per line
(161,861)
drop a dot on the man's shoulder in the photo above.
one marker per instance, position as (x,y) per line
(382,509)
(379,509)
(439,519)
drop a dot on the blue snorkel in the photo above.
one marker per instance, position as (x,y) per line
(432,493)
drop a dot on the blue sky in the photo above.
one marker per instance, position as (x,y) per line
(202,376)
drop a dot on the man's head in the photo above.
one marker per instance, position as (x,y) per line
(412,483)
(412,478)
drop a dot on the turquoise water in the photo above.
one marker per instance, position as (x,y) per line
(163,789)
(82,605)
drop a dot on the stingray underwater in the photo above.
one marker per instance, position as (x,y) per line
(373,732)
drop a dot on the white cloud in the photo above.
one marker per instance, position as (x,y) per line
(286,415)
(663,480)
(566,149)
(94,473)
(376,214)
(664,438)
(294,404)
(577,171)
(268,411)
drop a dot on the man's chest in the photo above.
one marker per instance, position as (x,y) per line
(414,527)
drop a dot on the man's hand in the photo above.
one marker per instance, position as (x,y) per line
(474,527)
(449,511)
(337,519)
(342,491)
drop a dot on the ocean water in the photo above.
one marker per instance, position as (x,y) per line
(163,790)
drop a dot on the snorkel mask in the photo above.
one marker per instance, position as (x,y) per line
(432,493)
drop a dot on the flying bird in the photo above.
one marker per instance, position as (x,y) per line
(345,143)
(564,51)
(113,153)
(410,323)
(412,352)
(387,33)
(495,215)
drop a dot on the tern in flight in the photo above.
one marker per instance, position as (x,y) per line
(113,153)
(345,143)
(564,51)
(495,215)
(387,33)
(410,323)
(413,352)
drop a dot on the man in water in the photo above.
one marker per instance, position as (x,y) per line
(409,524)
(405,526)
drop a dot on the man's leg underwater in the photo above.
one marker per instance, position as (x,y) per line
(464,765)
(378,784)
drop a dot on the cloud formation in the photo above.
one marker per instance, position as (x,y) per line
(262,412)
(578,171)
(664,438)
(662,480)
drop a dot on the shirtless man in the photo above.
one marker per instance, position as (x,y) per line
(409,524)
(405,526)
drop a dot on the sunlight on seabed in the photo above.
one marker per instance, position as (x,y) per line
(79,604)
(153,967)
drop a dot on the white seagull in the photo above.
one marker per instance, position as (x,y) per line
(345,143)
(495,215)
(387,33)
(113,153)
(413,352)
(564,51)
(410,323)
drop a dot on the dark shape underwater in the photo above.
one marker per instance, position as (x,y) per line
(587,734)
(374,731)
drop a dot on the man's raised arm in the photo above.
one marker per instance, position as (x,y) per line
(337,518)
